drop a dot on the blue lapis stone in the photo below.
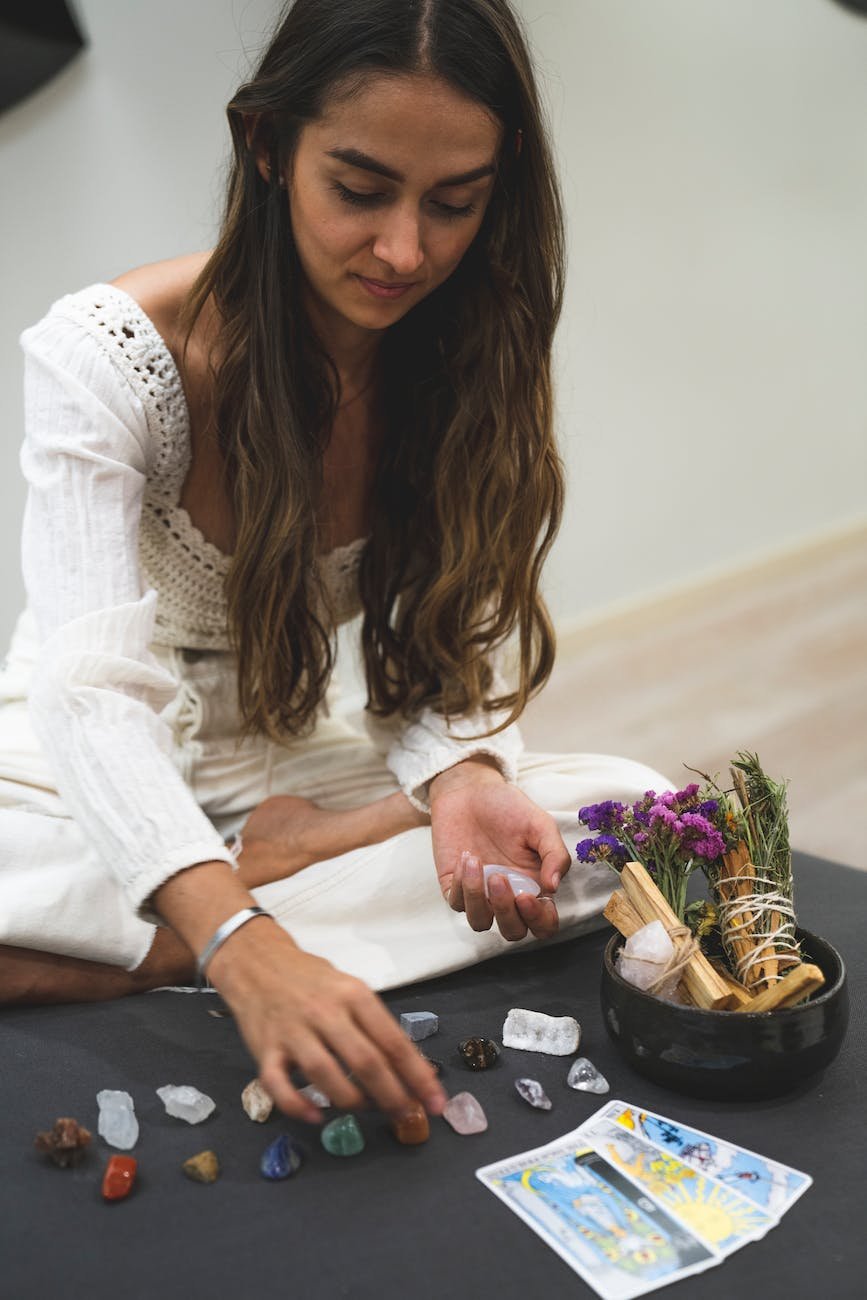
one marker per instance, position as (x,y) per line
(281,1158)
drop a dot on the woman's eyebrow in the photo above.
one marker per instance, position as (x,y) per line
(355,158)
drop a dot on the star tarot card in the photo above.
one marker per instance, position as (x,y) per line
(767,1183)
(717,1214)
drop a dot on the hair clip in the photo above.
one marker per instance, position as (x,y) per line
(519,142)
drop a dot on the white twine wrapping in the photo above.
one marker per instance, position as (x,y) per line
(685,945)
(748,916)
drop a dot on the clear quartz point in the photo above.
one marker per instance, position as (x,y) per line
(533,1093)
(185,1102)
(584,1076)
(316,1095)
(117,1121)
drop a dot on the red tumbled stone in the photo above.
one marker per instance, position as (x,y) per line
(119,1177)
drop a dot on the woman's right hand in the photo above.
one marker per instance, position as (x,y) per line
(297,1010)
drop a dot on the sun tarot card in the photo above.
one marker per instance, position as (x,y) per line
(718,1216)
(618,1240)
(773,1186)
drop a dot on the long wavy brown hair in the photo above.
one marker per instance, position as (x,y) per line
(469,484)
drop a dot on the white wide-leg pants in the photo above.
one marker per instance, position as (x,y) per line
(376,912)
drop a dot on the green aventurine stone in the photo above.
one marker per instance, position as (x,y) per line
(343,1137)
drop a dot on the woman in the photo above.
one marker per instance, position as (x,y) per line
(347,403)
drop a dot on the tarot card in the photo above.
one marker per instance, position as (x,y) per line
(773,1186)
(617,1239)
(716,1214)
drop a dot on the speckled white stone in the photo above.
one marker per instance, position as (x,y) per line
(533,1031)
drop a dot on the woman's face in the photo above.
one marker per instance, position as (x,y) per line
(387,191)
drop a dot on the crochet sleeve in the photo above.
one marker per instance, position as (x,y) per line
(418,750)
(97,691)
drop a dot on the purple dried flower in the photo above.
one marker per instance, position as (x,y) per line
(660,813)
(604,848)
(602,816)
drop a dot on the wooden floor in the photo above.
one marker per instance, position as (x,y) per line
(773,661)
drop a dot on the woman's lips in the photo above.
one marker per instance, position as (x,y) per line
(379,290)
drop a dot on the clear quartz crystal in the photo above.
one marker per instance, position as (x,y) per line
(117,1121)
(584,1076)
(533,1093)
(465,1114)
(533,1031)
(645,956)
(520,883)
(316,1095)
(256,1102)
(185,1102)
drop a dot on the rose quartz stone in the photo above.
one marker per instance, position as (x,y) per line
(465,1114)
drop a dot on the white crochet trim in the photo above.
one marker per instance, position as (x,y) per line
(187,571)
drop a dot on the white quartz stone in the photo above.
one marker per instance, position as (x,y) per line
(533,1031)
(185,1102)
(645,956)
(117,1121)
(520,883)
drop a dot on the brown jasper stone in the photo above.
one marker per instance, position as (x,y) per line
(202,1168)
(66,1144)
(411,1126)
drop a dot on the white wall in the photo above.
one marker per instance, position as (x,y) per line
(712,382)
(713,353)
(115,163)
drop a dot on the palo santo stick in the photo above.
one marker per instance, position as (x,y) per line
(702,982)
(622,915)
(793,988)
(742,996)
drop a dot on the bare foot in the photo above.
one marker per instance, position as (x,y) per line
(287,833)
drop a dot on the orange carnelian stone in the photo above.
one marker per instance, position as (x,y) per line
(119,1177)
(411,1126)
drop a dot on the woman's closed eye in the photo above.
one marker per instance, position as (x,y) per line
(360,199)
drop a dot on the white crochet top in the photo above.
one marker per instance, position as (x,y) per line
(113,566)
(186,570)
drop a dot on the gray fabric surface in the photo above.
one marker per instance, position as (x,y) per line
(394,1221)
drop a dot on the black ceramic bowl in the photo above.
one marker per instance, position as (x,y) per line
(726,1054)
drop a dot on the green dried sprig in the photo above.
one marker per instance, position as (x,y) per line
(766,812)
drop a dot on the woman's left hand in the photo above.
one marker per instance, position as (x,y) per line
(476,818)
